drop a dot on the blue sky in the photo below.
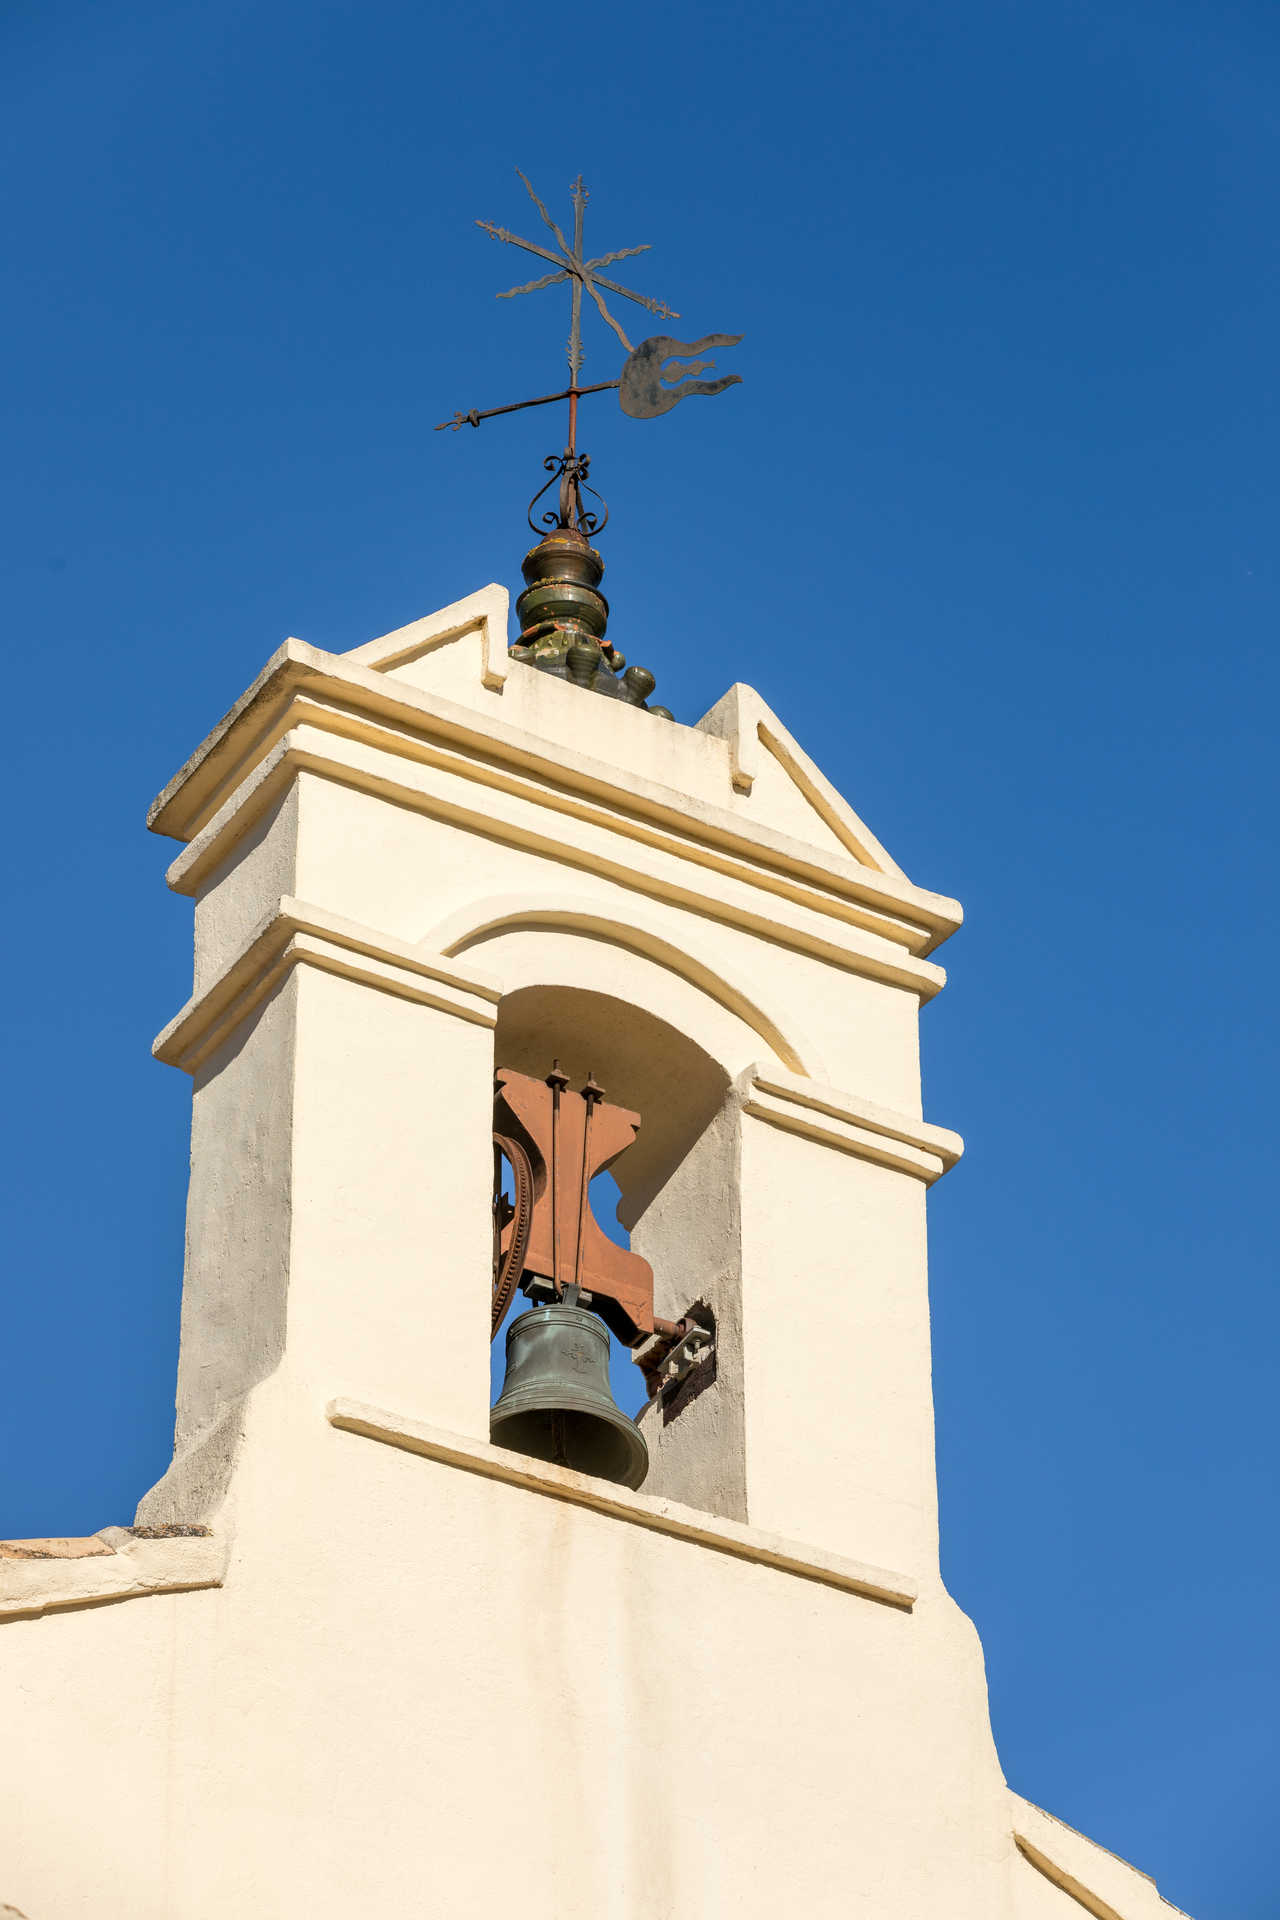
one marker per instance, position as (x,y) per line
(991,523)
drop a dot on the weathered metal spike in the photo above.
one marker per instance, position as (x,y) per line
(527,246)
(659,307)
(533,286)
(561,242)
(605,314)
(623,253)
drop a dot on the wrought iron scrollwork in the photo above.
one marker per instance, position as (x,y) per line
(571,470)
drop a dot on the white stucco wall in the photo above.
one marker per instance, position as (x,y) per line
(385,1668)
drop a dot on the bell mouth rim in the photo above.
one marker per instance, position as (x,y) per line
(573,1399)
(635,1446)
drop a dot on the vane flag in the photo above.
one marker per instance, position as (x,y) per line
(655,377)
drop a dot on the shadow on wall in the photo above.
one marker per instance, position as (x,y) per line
(640,1061)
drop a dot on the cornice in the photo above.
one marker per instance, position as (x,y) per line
(850,1124)
(807,920)
(359,702)
(297,934)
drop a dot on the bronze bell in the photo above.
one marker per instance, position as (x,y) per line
(555,1402)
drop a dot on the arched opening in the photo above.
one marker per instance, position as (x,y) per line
(671,1194)
(642,1061)
(521,934)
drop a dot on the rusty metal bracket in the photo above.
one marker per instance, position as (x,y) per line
(667,1360)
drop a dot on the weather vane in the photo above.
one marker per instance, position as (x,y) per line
(647,386)
(562,612)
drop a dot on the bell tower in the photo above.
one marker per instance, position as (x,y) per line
(409,877)
(475,921)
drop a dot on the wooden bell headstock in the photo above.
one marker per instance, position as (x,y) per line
(557,1142)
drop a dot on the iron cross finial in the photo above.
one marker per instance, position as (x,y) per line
(652,379)
(583,275)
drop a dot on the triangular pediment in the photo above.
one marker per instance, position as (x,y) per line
(776,781)
(449,651)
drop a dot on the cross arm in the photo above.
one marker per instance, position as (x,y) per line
(659,307)
(514,240)
(533,286)
(474,416)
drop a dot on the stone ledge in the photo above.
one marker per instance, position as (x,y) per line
(798,913)
(119,1563)
(61,1547)
(850,1124)
(204,804)
(295,933)
(1098,1880)
(635,1509)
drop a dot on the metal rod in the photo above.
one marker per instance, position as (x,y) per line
(572,394)
(557,1278)
(557,1081)
(575,317)
(590,1093)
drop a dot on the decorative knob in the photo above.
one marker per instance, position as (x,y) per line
(583,661)
(639,683)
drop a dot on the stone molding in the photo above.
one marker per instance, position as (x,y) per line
(1099,1881)
(807,920)
(559,912)
(730,1537)
(47,1576)
(300,934)
(486,609)
(360,702)
(749,725)
(850,1124)
(297,934)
